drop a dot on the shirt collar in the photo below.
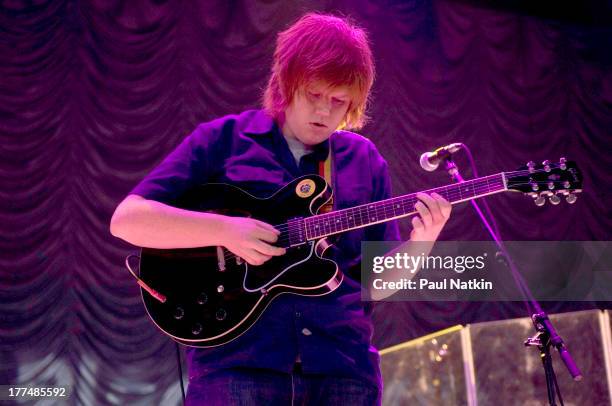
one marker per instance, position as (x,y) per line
(263,123)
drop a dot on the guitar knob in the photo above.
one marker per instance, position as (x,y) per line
(179,313)
(571,198)
(540,201)
(220,288)
(554,199)
(534,186)
(203,298)
(551,185)
(546,165)
(562,163)
(196,329)
(566,184)
(221,314)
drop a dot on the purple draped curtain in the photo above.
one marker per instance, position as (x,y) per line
(93,94)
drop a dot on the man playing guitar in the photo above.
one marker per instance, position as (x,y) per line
(302,350)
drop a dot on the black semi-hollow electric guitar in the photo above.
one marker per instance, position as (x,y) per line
(206,297)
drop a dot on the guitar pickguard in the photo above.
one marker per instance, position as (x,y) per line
(276,269)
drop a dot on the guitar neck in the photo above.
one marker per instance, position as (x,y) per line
(323,225)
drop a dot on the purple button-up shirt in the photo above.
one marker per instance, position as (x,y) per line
(330,334)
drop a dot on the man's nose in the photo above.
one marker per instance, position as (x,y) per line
(323,107)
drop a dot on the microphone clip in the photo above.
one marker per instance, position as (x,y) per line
(431,160)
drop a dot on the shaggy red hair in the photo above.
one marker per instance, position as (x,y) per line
(321,48)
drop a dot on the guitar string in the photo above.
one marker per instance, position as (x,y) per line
(472,182)
(451,191)
(453,195)
(285,239)
(384,209)
(454,187)
(476,184)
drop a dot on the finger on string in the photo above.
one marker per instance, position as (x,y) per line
(267,227)
(432,206)
(268,249)
(424,213)
(267,236)
(444,205)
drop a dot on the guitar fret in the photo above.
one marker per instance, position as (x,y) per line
(308,230)
(338,222)
(312,233)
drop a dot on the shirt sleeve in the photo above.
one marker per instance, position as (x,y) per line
(381,190)
(188,165)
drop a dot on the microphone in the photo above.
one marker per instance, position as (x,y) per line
(431,160)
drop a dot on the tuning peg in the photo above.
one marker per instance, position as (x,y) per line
(551,185)
(562,163)
(534,185)
(566,184)
(546,165)
(531,166)
(554,199)
(571,198)
(539,201)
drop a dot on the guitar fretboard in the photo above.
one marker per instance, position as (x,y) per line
(335,222)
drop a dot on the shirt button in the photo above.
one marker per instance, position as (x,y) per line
(306,332)
(298,314)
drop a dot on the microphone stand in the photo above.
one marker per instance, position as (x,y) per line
(546,335)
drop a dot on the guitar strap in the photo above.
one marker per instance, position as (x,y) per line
(325,171)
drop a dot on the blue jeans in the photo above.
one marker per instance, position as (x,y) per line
(248,386)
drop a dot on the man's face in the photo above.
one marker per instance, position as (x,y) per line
(315,112)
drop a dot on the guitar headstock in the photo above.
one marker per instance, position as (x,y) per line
(547,180)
